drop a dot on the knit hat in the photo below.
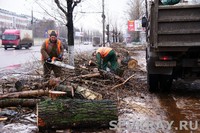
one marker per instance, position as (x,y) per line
(53,33)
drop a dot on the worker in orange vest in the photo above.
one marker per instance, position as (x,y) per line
(104,55)
(52,49)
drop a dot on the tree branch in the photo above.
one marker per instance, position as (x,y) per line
(116,86)
(60,7)
(48,12)
(75,4)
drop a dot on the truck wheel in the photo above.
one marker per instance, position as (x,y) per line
(28,45)
(19,47)
(166,82)
(152,81)
(5,48)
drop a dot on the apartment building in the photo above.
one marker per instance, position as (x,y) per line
(12,20)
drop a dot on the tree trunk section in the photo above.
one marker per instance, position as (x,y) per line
(70,27)
(75,113)
(18,102)
(132,63)
(31,93)
(71,55)
(91,75)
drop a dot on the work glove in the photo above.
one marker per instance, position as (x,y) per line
(60,57)
(49,59)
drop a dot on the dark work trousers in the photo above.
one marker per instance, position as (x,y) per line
(112,58)
(47,68)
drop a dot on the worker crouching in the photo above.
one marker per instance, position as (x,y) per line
(52,49)
(106,58)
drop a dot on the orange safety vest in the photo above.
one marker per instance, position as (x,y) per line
(58,46)
(103,51)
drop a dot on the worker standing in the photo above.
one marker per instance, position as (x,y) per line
(104,56)
(51,49)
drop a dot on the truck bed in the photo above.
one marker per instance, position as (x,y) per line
(175,25)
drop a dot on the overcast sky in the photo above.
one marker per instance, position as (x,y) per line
(114,11)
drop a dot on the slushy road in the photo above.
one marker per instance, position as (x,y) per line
(12,57)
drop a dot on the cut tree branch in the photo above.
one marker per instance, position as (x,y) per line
(32,93)
(123,82)
(91,75)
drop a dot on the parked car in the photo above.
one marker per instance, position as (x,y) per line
(87,43)
(64,42)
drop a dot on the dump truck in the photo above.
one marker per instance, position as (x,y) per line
(16,38)
(173,48)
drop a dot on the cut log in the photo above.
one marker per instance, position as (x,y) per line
(132,63)
(3,118)
(56,94)
(32,93)
(75,113)
(18,102)
(92,63)
(19,85)
(91,75)
(79,92)
(88,94)
(66,88)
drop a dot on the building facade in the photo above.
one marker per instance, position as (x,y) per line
(11,20)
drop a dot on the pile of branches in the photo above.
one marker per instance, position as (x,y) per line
(30,88)
(85,74)
(110,85)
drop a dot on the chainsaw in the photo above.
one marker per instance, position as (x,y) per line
(57,62)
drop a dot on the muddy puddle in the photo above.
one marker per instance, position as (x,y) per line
(156,113)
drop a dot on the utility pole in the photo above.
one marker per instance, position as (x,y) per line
(147,18)
(108,33)
(103,21)
(32,26)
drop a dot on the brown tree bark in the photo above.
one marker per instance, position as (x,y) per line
(18,102)
(86,76)
(75,113)
(32,93)
(79,92)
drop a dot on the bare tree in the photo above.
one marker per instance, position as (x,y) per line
(64,15)
(114,28)
(70,26)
